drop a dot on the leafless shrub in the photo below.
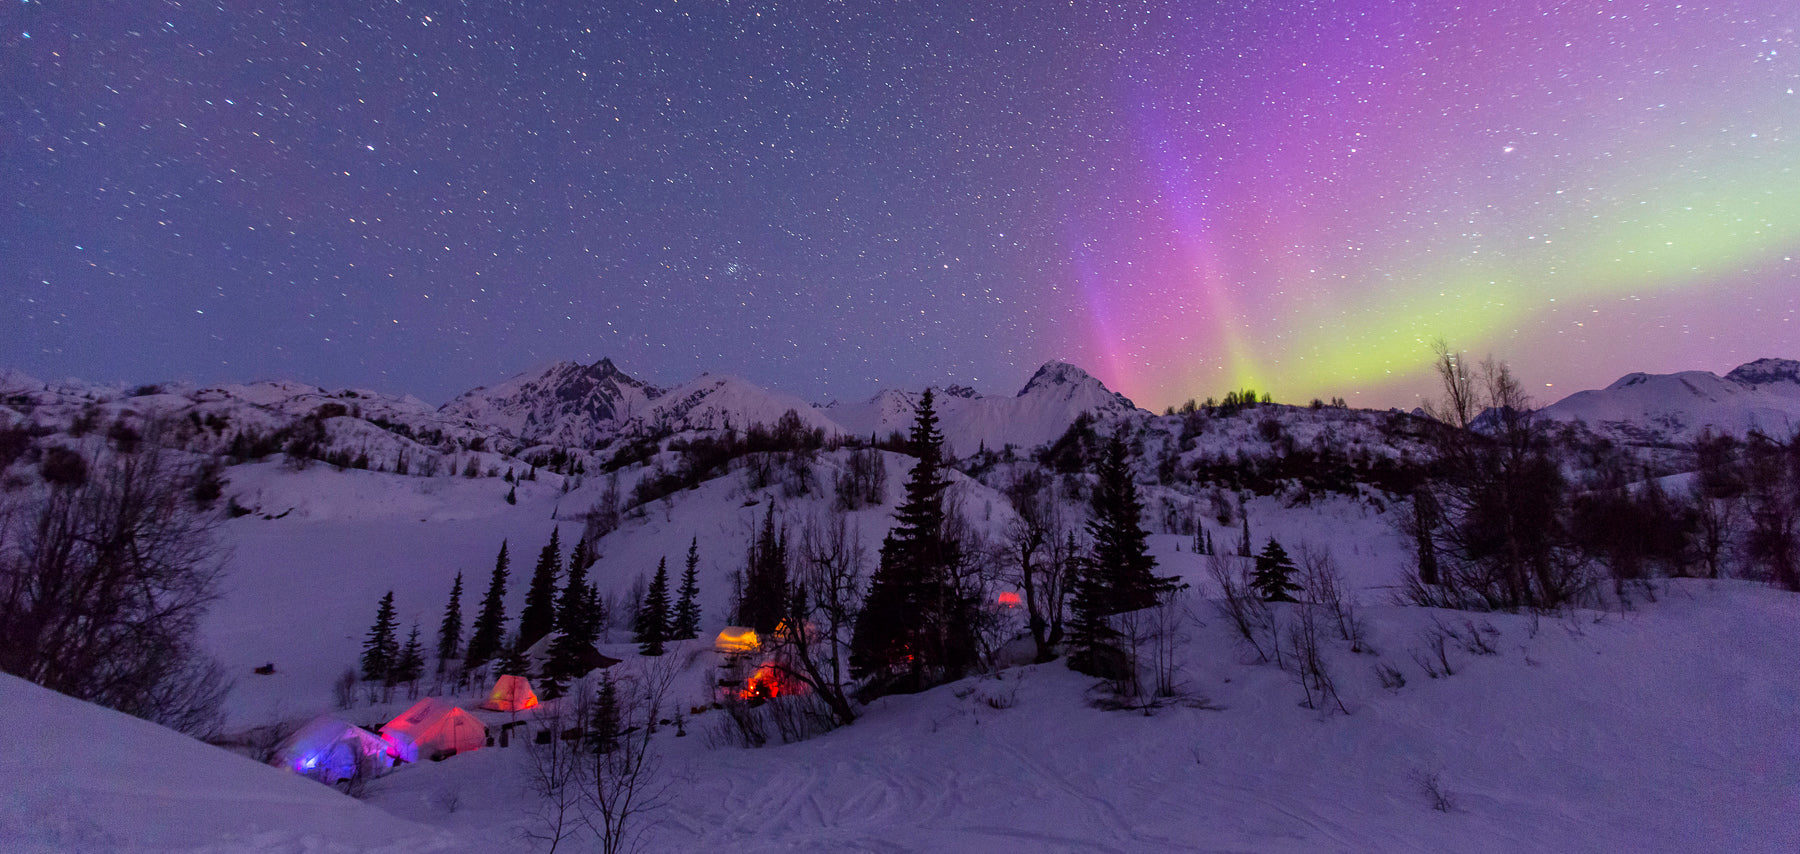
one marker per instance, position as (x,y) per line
(1477,639)
(1239,604)
(1324,584)
(628,783)
(447,799)
(1431,784)
(1434,659)
(1307,661)
(1391,677)
(556,773)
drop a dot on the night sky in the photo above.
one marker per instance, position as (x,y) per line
(830,198)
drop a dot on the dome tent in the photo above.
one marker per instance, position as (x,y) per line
(433,727)
(330,749)
(511,694)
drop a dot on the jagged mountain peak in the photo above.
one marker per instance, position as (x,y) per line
(1056,373)
(1766,372)
(561,403)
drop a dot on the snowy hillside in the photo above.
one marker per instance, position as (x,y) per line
(1665,409)
(84,778)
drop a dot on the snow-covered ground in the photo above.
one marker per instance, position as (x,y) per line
(1667,727)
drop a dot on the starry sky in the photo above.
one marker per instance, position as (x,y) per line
(830,198)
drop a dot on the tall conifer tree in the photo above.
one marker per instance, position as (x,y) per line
(449,643)
(1121,550)
(538,618)
(765,578)
(569,653)
(381,650)
(410,663)
(687,601)
(653,615)
(915,624)
(490,623)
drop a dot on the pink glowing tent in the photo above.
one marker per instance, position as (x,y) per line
(511,694)
(330,749)
(433,727)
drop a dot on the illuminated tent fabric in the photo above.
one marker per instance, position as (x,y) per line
(328,748)
(736,639)
(511,694)
(430,727)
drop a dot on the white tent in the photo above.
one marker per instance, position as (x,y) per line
(331,749)
(511,694)
(432,727)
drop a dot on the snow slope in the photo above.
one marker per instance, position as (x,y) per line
(1667,728)
(83,778)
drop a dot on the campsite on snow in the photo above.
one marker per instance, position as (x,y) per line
(577,611)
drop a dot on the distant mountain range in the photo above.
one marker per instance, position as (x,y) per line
(570,405)
(1675,409)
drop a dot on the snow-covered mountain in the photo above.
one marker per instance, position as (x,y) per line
(1669,409)
(566,403)
(718,401)
(1041,412)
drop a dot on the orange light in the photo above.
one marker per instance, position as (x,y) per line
(763,684)
(1010,599)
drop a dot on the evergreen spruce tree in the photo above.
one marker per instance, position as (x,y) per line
(1274,576)
(490,623)
(603,731)
(687,602)
(1121,550)
(1116,575)
(915,623)
(538,618)
(381,651)
(569,652)
(449,643)
(512,495)
(653,614)
(1244,539)
(410,664)
(599,616)
(1088,631)
(764,596)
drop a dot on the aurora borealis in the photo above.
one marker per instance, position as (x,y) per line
(829,198)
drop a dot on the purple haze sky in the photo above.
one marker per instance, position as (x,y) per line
(830,197)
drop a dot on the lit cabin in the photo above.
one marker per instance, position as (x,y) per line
(330,749)
(737,640)
(511,694)
(432,728)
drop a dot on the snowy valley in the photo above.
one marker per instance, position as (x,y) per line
(1650,709)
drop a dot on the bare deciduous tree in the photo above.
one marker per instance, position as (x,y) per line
(103,582)
(627,783)
(1038,558)
(822,605)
